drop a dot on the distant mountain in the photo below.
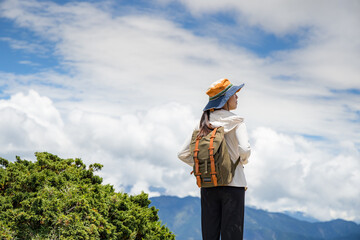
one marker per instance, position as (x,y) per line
(182,216)
(301,216)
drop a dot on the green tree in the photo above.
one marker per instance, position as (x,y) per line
(54,198)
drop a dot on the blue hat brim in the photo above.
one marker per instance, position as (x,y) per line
(221,101)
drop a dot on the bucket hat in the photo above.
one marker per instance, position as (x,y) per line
(219,93)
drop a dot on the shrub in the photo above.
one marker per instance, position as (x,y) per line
(54,198)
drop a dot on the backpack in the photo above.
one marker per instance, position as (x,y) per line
(212,164)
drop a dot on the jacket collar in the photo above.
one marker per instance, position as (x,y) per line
(226,119)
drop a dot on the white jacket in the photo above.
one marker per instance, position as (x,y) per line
(237,142)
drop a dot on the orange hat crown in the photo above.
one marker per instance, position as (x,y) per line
(218,88)
(219,93)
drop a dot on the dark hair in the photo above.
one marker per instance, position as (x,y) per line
(205,127)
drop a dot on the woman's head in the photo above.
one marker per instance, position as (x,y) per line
(220,93)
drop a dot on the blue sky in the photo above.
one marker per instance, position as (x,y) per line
(123,83)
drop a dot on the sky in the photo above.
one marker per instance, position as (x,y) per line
(123,83)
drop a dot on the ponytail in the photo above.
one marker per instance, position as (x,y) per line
(205,126)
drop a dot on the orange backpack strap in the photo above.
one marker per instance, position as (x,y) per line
(196,160)
(212,160)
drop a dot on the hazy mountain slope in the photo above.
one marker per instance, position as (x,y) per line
(182,216)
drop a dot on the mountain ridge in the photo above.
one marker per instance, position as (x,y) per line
(182,216)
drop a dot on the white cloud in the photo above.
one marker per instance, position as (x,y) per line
(283,17)
(30,123)
(26,62)
(134,87)
(292,173)
(136,149)
(23,45)
(139,150)
(329,39)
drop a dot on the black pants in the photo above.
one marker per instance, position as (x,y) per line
(222,212)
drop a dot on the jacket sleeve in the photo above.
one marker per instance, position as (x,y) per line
(244,145)
(184,153)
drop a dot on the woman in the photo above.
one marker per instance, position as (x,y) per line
(222,207)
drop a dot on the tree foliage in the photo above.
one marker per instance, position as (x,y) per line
(54,198)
